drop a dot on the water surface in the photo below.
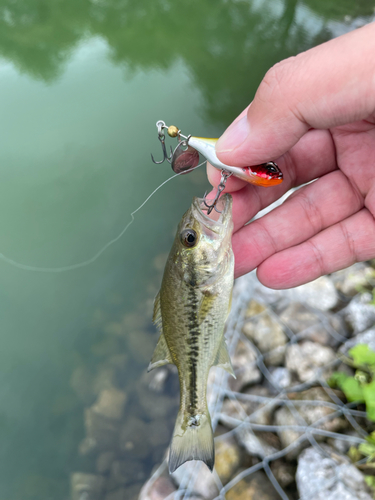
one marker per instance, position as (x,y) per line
(82,85)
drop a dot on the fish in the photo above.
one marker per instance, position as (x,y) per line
(265,174)
(190,311)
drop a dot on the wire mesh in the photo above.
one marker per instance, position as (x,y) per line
(306,433)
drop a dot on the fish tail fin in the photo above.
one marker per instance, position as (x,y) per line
(192,440)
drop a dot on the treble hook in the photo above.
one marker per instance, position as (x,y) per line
(161,125)
(224,177)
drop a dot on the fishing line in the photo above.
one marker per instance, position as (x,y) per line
(87,262)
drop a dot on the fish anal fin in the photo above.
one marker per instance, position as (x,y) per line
(223,360)
(161,356)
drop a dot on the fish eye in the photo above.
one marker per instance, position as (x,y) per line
(189,238)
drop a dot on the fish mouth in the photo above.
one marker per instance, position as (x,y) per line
(215,221)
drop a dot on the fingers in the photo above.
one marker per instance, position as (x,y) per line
(309,211)
(327,86)
(339,246)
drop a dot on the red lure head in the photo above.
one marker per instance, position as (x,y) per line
(266,174)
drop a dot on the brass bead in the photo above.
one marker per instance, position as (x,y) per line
(172,131)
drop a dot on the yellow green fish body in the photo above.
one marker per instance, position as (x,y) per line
(190,311)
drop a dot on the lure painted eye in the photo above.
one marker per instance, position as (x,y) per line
(189,238)
(272,169)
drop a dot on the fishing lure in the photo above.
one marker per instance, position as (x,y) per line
(185,157)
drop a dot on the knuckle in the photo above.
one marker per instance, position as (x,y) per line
(276,79)
(311,210)
(319,259)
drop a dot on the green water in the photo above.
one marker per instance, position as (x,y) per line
(82,84)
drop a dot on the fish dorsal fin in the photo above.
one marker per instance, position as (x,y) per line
(156,319)
(223,360)
(161,356)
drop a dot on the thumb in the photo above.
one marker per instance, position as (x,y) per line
(327,86)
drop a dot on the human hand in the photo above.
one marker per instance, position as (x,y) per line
(313,114)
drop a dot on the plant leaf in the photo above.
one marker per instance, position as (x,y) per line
(362,355)
(352,389)
(369,397)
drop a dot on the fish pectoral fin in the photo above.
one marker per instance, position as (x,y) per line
(223,360)
(230,303)
(206,303)
(156,319)
(161,356)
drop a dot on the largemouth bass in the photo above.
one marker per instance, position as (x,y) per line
(190,311)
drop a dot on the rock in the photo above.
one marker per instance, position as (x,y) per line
(269,337)
(324,328)
(281,379)
(128,493)
(119,363)
(284,418)
(320,294)
(101,432)
(110,403)
(360,312)
(104,379)
(353,279)
(322,478)
(141,345)
(199,478)
(253,409)
(253,443)
(298,317)
(307,358)
(254,308)
(156,405)
(340,445)
(134,437)
(135,321)
(256,486)
(106,346)
(87,486)
(309,414)
(119,494)
(114,328)
(159,432)
(81,383)
(104,461)
(367,337)
(126,472)
(156,379)
(283,472)
(312,413)
(228,458)
(245,367)
(158,488)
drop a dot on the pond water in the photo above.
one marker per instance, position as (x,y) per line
(82,84)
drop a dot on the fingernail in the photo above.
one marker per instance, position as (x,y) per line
(234,136)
